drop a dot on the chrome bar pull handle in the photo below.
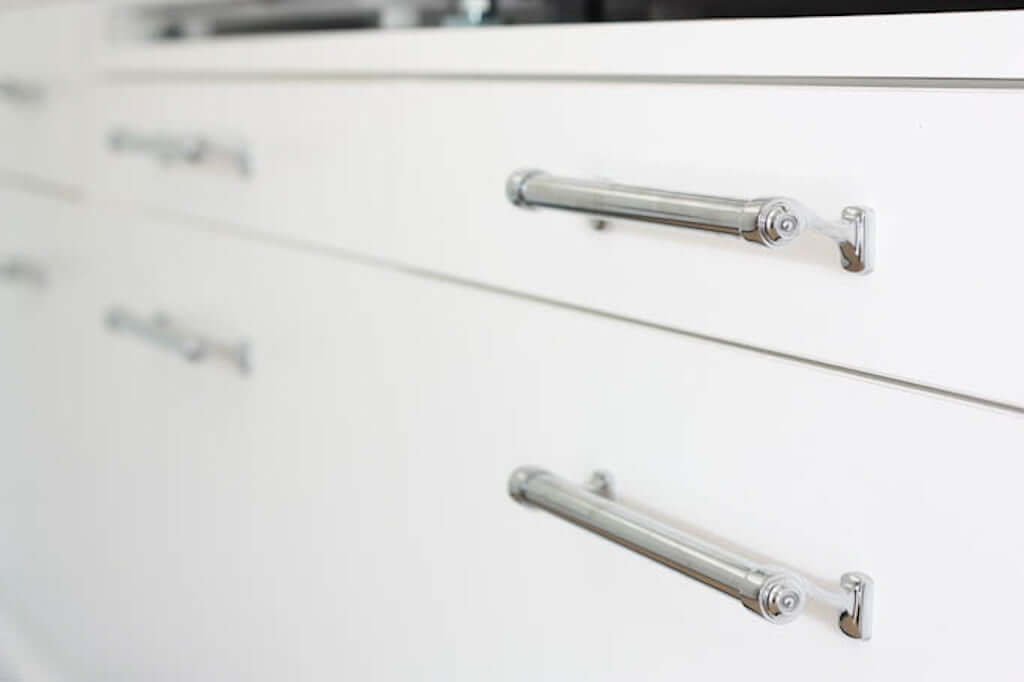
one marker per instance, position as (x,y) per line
(162,332)
(770,222)
(777,595)
(19,271)
(192,150)
(21,91)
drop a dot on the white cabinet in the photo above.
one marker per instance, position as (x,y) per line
(342,510)
(48,40)
(41,472)
(37,264)
(43,133)
(45,53)
(334,204)
(415,173)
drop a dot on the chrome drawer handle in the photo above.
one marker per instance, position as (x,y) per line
(777,595)
(768,222)
(160,331)
(193,150)
(21,91)
(20,271)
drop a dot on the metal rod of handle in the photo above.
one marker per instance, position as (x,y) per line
(777,595)
(170,148)
(160,331)
(768,222)
(22,271)
(21,91)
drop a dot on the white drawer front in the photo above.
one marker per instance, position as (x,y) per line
(46,40)
(341,512)
(43,135)
(36,264)
(39,406)
(414,172)
(44,61)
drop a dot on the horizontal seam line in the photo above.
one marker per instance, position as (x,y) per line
(199,75)
(197,223)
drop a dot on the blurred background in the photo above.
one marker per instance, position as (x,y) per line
(190,19)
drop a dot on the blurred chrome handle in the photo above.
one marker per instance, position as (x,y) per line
(777,595)
(21,91)
(168,148)
(22,272)
(162,332)
(769,222)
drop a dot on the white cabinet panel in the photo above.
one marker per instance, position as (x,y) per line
(341,512)
(43,133)
(47,40)
(45,51)
(39,472)
(414,172)
(36,264)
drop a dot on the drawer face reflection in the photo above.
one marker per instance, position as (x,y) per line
(415,172)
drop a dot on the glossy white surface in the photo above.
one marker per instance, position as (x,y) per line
(46,139)
(342,513)
(46,47)
(37,403)
(47,40)
(415,172)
